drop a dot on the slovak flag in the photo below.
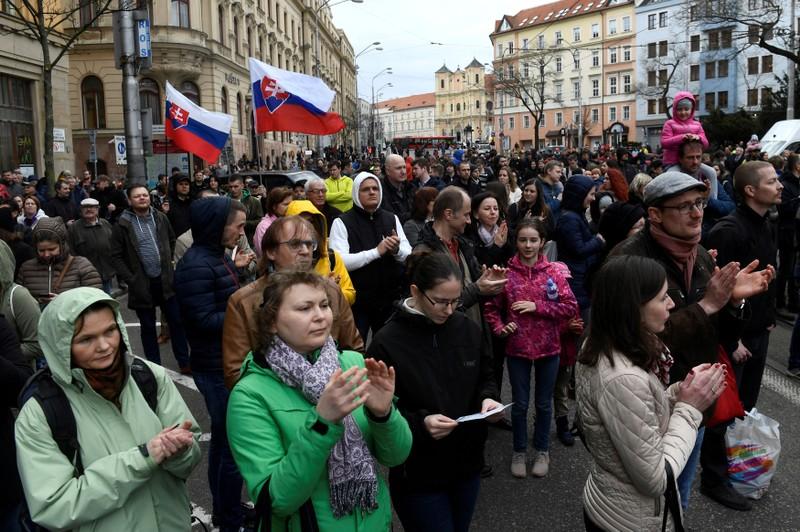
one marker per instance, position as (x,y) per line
(288,101)
(194,129)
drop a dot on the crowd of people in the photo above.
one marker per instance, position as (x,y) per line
(349,322)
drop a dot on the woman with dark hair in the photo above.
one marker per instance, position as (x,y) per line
(639,428)
(421,213)
(31,214)
(278,201)
(133,457)
(444,371)
(532,205)
(309,424)
(489,231)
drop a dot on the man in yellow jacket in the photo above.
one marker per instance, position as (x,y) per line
(340,188)
(328,262)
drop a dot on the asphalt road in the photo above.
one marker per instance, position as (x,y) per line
(554,502)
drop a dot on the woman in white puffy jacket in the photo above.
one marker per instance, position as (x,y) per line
(636,424)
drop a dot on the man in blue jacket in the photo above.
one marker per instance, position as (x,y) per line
(204,280)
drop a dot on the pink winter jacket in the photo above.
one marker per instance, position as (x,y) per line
(538,333)
(674,130)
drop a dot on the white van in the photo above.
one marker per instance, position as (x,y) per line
(783,135)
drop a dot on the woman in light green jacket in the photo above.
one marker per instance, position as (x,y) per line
(135,459)
(308,424)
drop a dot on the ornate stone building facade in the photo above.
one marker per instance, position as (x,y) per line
(463,103)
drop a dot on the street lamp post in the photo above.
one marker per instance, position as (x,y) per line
(387,70)
(378,95)
(368,48)
(323,5)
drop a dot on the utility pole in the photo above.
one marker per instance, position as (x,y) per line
(127,50)
(790,87)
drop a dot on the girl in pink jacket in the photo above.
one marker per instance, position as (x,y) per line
(529,314)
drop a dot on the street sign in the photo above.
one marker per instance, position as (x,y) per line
(59,134)
(92,145)
(120,150)
(59,147)
(143,38)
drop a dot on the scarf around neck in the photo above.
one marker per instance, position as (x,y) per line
(108,382)
(682,252)
(487,236)
(352,473)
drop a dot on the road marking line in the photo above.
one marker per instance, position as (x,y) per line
(779,383)
(206,436)
(158,324)
(183,380)
(202,515)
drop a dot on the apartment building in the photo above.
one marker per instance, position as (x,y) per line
(409,116)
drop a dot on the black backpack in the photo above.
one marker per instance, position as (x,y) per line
(58,412)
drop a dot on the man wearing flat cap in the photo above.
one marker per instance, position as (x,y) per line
(90,237)
(709,308)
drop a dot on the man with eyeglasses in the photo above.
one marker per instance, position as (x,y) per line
(315,193)
(690,160)
(709,309)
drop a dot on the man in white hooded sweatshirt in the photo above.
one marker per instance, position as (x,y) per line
(373,247)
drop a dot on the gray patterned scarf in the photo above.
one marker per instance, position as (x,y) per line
(351,468)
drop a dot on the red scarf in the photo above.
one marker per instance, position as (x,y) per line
(682,252)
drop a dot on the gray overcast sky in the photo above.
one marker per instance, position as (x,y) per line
(405,29)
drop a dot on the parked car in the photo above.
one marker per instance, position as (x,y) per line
(275,178)
(783,135)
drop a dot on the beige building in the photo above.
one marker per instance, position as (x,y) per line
(201,48)
(409,116)
(463,103)
(22,119)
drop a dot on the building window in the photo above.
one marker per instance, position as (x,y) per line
(595,115)
(191,91)
(510,122)
(612,85)
(526,71)
(766,96)
(711,68)
(559,91)
(595,88)
(651,50)
(458,107)
(595,31)
(612,55)
(576,90)
(524,44)
(612,113)
(559,118)
(87,12)
(626,112)
(722,99)
(752,4)
(752,97)
(662,77)
(236,35)
(240,112)
(221,24)
(150,98)
(558,64)
(477,104)
(694,43)
(179,13)
(651,107)
(694,73)
(662,19)
(595,58)
(626,53)
(626,83)
(651,78)
(612,26)
(710,101)
(441,83)
(766,64)
(752,65)
(261,47)
(713,40)
(224,98)
(94,107)
(722,69)
(693,13)
(540,42)
(626,24)
(725,39)
(526,121)
(542,120)
(576,34)
(249,42)
(663,48)
(651,21)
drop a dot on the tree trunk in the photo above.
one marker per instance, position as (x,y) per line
(47,82)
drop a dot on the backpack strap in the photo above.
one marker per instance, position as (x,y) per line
(57,412)
(146,381)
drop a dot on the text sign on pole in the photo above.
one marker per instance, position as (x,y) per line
(143,36)
(120,150)
(92,145)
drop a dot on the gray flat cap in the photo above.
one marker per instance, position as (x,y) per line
(668,185)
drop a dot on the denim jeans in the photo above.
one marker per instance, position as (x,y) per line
(108,286)
(519,375)
(794,346)
(149,334)
(440,511)
(11,519)
(750,373)
(224,479)
(686,478)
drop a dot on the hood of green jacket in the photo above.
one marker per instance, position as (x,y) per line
(57,327)
(7,265)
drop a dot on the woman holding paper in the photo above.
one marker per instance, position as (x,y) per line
(444,371)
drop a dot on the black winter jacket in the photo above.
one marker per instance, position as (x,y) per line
(690,334)
(742,237)
(787,210)
(441,369)
(204,280)
(180,214)
(128,266)
(399,202)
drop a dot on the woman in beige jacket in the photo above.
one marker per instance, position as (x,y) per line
(636,425)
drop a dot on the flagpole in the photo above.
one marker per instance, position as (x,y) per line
(166,155)
(260,160)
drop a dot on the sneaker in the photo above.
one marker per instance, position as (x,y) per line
(541,464)
(726,496)
(565,435)
(519,468)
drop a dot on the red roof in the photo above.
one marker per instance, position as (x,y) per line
(552,12)
(409,102)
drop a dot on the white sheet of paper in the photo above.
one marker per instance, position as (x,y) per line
(473,417)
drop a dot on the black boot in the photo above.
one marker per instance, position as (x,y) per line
(562,431)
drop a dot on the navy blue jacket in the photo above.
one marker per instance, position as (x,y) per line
(578,248)
(204,280)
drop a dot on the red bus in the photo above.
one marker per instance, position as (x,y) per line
(422,144)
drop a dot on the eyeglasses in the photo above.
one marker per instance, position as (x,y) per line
(316,191)
(455,303)
(295,244)
(686,208)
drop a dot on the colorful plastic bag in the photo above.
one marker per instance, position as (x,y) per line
(754,446)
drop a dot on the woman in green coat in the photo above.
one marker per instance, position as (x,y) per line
(308,424)
(135,459)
